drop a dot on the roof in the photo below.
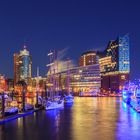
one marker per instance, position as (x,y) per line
(88,52)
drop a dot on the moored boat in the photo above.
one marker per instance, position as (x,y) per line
(69,99)
(126,95)
(28,107)
(135,100)
(50,105)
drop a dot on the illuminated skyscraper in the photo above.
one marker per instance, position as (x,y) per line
(22,66)
(115,64)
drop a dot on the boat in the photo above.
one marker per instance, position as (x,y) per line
(53,102)
(5,96)
(50,105)
(135,100)
(135,103)
(40,102)
(127,95)
(11,111)
(28,107)
(69,99)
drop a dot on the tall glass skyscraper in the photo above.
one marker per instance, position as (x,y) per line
(115,64)
(124,58)
(119,52)
(22,66)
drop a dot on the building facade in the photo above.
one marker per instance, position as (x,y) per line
(10,84)
(22,66)
(84,79)
(88,58)
(115,64)
(3,84)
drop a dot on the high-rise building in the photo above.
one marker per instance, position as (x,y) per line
(22,66)
(88,58)
(115,64)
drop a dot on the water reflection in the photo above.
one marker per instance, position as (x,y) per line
(86,119)
(128,125)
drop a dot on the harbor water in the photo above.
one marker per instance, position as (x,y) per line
(105,118)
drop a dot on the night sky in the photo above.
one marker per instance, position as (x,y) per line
(77,25)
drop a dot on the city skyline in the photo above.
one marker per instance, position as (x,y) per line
(78,28)
(69,70)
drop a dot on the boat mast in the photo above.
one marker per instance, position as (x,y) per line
(51,72)
(68,77)
(56,73)
(37,85)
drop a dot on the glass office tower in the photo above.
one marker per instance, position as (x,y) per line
(22,66)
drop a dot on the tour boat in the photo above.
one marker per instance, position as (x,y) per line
(69,99)
(50,105)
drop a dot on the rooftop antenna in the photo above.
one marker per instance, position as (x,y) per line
(24,47)
(37,71)
(24,44)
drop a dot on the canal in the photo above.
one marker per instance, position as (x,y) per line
(87,119)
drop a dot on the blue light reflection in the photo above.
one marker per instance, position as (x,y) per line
(128,124)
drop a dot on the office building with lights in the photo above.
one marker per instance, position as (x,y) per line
(115,64)
(88,58)
(3,84)
(84,79)
(22,66)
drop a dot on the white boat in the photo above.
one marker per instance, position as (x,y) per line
(137,108)
(135,100)
(135,103)
(40,102)
(28,107)
(69,99)
(11,111)
(50,105)
(5,96)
